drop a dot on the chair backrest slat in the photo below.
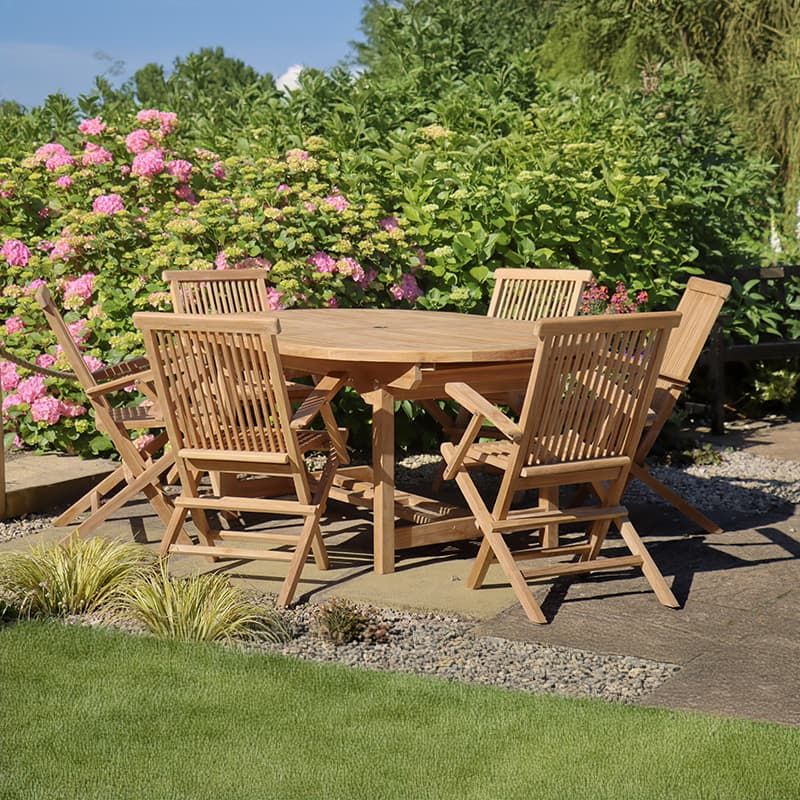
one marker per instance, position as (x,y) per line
(240,291)
(591,382)
(700,306)
(220,381)
(531,294)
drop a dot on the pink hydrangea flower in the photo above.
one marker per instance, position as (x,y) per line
(350,268)
(62,249)
(45,360)
(367,279)
(389,224)
(274,298)
(44,213)
(322,262)
(35,284)
(64,182)
(9,378)
(310,207)
(297,154)
(81,287)
(336,201)
(79,331)
(92,127)
(72,409)
(184,192)
(92,363)
(167,120)
(46,409)
(94,154)
(108,204)
(31,388)
(221,261)
(59,160)
(149,163)
(181,169)
(9,401)
(14,325)
(283,187)
(407,289)
(139,140)
(333,303)
(15,253)
(49,150)
(218,171)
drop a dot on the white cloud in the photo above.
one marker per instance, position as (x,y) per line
(290,80)
(30,71)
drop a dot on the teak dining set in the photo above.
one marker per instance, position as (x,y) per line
(567,406)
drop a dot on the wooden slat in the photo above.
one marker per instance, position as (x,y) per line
(580,567)
(254,504)
(231,552)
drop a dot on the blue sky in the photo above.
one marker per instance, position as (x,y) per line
(50,45)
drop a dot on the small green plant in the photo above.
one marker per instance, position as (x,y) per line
(704,456)
(80,577)
(339,622)
(203,608)
(776,385)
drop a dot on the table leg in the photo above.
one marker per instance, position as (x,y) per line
(383,476)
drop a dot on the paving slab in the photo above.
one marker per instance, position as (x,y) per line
(36,483)
(736,637)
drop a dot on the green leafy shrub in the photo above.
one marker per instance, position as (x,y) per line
(100,225)
(81,577)
(203,608)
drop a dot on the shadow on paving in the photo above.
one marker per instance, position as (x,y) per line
(736,636)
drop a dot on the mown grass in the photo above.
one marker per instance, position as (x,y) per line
(96,714)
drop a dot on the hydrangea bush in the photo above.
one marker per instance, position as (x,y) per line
(99,224)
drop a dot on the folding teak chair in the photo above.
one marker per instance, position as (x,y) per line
(139,472)
(700,307)
(523,294)
(234,291)
(533,294)
(237,291)
(227,410)
(581,420)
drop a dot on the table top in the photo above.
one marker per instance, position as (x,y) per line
(395,336)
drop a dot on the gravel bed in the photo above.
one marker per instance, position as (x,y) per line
(24,525)
(442,646)
(740,480)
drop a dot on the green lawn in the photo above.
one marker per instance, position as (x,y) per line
(93,714)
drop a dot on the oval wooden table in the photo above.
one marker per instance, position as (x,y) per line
(388,355)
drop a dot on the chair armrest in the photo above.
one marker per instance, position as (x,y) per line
(124,368)
(477,404)
(318,398)
(145,376)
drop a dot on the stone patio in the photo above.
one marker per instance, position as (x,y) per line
(736,638)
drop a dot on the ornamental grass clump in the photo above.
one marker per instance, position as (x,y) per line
(80,577)
(202,608)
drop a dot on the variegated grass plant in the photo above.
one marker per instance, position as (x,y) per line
(82,576)
(200,608)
